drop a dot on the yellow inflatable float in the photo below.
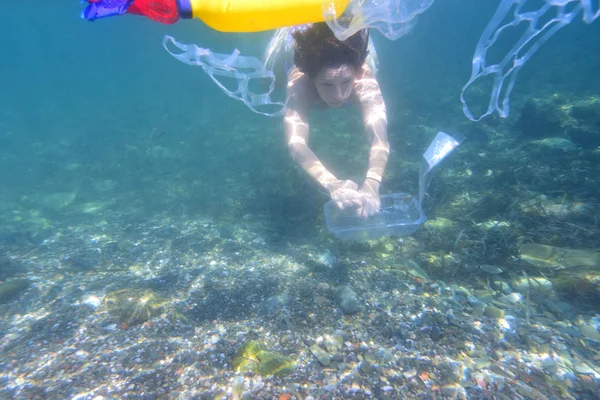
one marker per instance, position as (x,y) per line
(221,15)
(259,15)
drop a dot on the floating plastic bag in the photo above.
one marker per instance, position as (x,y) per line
(505,72)
(438,149)
(393,18)
(235,66)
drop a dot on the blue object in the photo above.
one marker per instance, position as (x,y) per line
(104,8)
(185,9)
(400,214)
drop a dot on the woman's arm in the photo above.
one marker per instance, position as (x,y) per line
(300,97)
(374,116)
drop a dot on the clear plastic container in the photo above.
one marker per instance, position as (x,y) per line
(400,214)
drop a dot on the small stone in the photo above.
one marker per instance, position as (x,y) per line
(436,333)
(321,355)
(482,363)
(589,332)
(411,373)
(484,296)
(452,391)
(512,298)
(549,365)
(348,300)
(365,367)
(494,312)
(555,144)
(543,349)
(92,301)
(490,269)
(333,343)
(584,369)
(532,284)
(11,290)
(384,356)
(477,312)
(370,356)
(462,291)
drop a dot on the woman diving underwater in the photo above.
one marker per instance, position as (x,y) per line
(331,73)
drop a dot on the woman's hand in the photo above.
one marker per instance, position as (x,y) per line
(370,202)
(345,194)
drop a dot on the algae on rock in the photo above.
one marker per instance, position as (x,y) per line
(544,256)
(253,356)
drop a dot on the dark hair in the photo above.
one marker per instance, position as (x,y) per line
(316,47)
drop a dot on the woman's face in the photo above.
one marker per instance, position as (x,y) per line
(335,84)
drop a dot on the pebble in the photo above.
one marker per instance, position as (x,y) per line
(411,373)
(365,367)
(494,312)
(384,355)
(92,301)
(584,369)
(333,343)
(321,355)
(348,300)
(482,363)
(490,269)
(453,391)
(511,298)
(589,332)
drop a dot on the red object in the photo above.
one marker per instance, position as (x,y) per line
(163,11)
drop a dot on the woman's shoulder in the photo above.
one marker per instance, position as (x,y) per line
(365,72)
(300,88)
(365,81)
(297,79)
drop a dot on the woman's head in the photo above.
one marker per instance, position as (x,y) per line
(330,62)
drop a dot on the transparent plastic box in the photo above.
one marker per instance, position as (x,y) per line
(400,214)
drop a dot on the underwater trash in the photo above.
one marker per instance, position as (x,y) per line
(392,18)
(509,14)
(241,69)
(400,214)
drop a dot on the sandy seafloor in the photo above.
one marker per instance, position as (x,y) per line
(412,338)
